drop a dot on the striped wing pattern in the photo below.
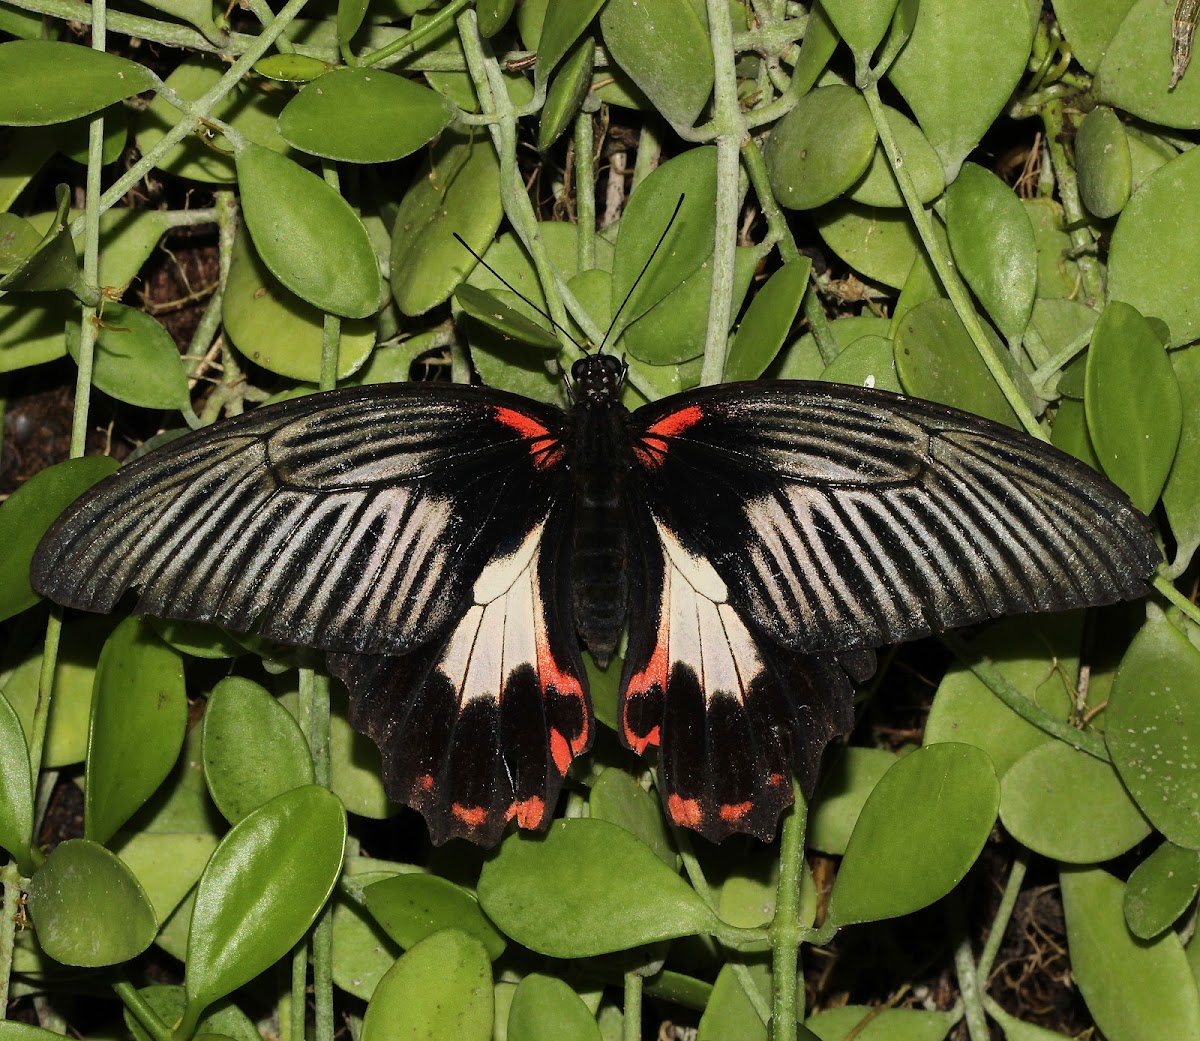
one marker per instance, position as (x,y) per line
(353,521)
(844,518)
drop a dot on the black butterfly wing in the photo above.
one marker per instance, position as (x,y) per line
(790,523)
(382,524)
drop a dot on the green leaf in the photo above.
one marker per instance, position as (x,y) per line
(729,1013)
(1134,408)
(166,864)
(291,68)
(87,907)
(921,829)
(567,90)
(564,23)
(29,512)
(544,1008)
(493,15)
(52,264)
(1160,889)
(619,799)
(588,887)
(440,989)
(139,714)
(863,1023)
(1034,656)
(808,165)
(959,70)
(1154,728)
(1136,991)
(411,907)
(362,952)
(878,186)
(226,1022)
(1090,25)
(364,115)
(50,82)
(1135,73)
(861,23)
(936,359)
(870,361)
(880,244)
(264,886)
(1065,804)
(136,361)
(663,46)
(692,176)
(279,331)
(16,790)
(1153,245)
(841,794)
(510,324)
(993,246)
(307,234)
(1181,495)
(1103,162)
(253,748)
(456,190)
(768,320)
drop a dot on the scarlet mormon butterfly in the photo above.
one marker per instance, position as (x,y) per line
(451,546)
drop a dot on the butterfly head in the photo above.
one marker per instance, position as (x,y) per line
(598,379)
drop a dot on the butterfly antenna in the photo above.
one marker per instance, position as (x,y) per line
(637,281)
(545,314)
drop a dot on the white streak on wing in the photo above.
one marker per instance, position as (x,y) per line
(520,627)
(741,645)
(685,626)
(460,648)
(696,571)
(500,573)
(720,675)
(484,678)
(422,533)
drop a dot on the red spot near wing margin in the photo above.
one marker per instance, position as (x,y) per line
(543,445)
(731,812)
(685,812)
(653,445)
(529,813)
(472,816)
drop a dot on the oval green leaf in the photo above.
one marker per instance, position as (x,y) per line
(880,244)
(139,714)
(1134,408)
(502,319)
(307,234)
(1153,729)
(87,907)
(563,24)
(253,748)
(1064,804)
(768,321)
(959,69)
(1103,162)
(136,361)
(1181,495)
(921,829)
(567,90)
(364,115)
(440,989)
(1160,889)
(619,799)
(48,81)
(861,23)
(1136,991)
(411,907)
(878,186)
(16,789)
(26,515)
(264,886)
(544,1008)
(808,165)
(456,190)
(870,361)
(993,246)
(843,791)
(588,887)
(663,46)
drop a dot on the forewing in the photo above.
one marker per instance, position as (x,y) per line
(479,728)
(841,517)
(353,521)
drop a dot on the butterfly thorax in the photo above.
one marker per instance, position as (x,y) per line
(601,453)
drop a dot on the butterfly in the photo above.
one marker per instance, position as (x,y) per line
(452,547)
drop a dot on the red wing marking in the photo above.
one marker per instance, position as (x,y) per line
(652,445)
(472,816)
(426,782)
(545,448)
(529,813)
(685,812)
(731,813)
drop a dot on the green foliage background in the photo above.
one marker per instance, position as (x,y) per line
(336,150)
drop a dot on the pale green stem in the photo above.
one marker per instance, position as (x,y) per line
(1008,902)
(786,931)
(954,287)
(968,988)
(632,1019)
(585,192)
(1165,587)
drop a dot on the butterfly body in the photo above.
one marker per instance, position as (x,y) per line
(450,547)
